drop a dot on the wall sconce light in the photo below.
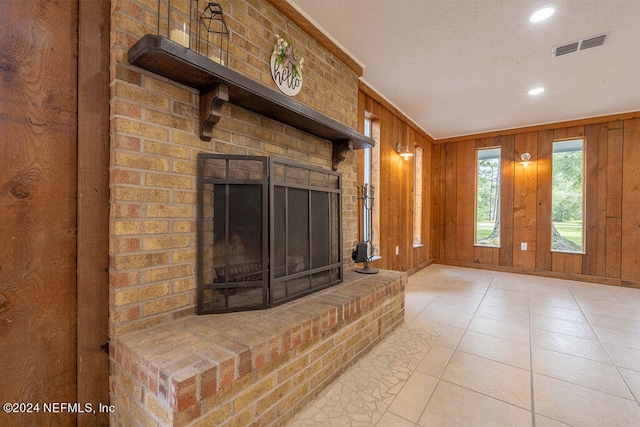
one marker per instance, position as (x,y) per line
(403,151)
(525,159)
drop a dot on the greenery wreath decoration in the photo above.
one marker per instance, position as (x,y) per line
(287,56)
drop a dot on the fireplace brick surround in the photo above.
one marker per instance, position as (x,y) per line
(154,147)
(253,367)
(158,374)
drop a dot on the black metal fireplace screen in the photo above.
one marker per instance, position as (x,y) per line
(269,231)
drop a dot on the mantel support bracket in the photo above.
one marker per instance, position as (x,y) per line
(211,102)
(340,149)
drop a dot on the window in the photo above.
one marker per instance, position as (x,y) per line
(488,197)
(371,224)
(366,227)
(567,207)
(417,198)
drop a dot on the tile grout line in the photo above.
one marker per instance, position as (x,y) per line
(613,362)
(533,404)
(453,352)
(417,424)
(386,410)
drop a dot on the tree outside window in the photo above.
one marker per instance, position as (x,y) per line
(488,197)
(567,207)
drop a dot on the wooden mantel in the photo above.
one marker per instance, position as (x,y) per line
(218,84)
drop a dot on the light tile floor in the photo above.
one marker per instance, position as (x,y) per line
(483,348)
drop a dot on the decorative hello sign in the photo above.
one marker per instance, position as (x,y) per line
(286,67)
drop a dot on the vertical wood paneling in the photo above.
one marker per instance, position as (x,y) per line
(507,174)
(451,199)
(525,213)
(524,203)
(543,196)
(573,263)
(409,182)
(381,191)
(591,196)
(601,212)
(427,153)
(564,262)
(487,142)
(389,188)
(93,207)
(574,132)
(438,201)
(486,255)
(614,248)
(614,175)
(465,202)
(394,203)
(38,183)
(630,253)
(612,197)
(557,261)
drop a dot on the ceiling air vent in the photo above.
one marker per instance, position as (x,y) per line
(579,45)
(592,42)
(568,48)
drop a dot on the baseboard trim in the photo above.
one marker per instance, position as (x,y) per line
(541,273)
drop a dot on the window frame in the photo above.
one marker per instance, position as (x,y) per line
(371,159)
(583,140)
(499,199)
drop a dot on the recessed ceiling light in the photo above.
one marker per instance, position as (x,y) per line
(541,14)
(536,91)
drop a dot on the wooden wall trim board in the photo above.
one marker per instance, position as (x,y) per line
(438,200)
(307,26)
(507,143)
(465,210)
(450,201)
(524,202)
(630,252)
(543,197)
(540,273)
(422,266)
(538,128)
(590,260)
(601,211)
(613,187)
(93,209)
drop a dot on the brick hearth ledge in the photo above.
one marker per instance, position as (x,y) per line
(254,366)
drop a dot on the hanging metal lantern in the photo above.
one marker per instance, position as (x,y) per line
(177,21)
(213,34)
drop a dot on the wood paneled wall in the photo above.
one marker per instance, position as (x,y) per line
(394,197)
(38,188)
(612,203)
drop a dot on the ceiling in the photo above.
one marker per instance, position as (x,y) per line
(463,67)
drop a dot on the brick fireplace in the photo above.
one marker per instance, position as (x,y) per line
(155,142)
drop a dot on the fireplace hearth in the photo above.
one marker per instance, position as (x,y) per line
(269,231)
